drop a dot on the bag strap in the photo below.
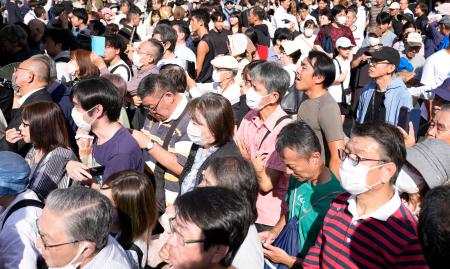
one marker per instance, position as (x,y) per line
(22,204)
(36,169)
(268,131)
(121,65)
(340,72)
(139,253)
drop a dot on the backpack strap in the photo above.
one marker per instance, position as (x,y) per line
(139,253)
(268,131)
(62,60)
(22,204)
(121,65)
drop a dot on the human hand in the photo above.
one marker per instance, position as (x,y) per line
(410,137)
(268,236)
(140,138)
(97,60)
(260,162)
(243,149)
(77,171)
(164,253)
(276,254)
(12,135)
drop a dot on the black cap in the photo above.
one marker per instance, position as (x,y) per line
(406,16)
(386,53)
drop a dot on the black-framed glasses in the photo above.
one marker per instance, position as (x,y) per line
(153,109)
(54,245)
(355,159)
(180,240)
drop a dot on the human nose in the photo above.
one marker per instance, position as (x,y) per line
(289,171)
(172,239)
(432,131)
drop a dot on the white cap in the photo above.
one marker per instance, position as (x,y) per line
(225,61)
(414,39)
(343,42)
(394,5)
(290,46)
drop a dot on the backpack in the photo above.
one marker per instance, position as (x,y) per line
(327,42)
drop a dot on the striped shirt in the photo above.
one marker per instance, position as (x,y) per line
(386,239)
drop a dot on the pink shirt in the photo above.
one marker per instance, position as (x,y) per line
(252,131)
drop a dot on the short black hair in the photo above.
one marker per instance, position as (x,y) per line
(98,26)
(81,14)
(323,66)
(258,12)
(98,91)
(153,83)
(216,15)
(59,36)
(116,41)
(176,74)
(303,6)
(39,11)
(167,34)
(224,217)
(383,18)
(133,13)
(183,27)
(282,34)
(298,136)
(434,223)
(337,9)
(201,14)
(390,140)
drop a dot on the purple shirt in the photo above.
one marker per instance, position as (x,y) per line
(133,84)
(119,153)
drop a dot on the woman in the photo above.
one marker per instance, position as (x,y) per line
(44,126)
(211,129)
(306,39)
(236,23)
(135,213)
(274,51)
(421,13)
(290,54)
(81,66)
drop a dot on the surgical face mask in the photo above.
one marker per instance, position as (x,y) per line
(341,20)
(353,178)
(373,41)
(72,264)
(309,32)
(408,181)
(253,99)
(14,85)
(137,60)
(79,121)
(195,134)
(216,76)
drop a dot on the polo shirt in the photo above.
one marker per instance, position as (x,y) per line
(386,238)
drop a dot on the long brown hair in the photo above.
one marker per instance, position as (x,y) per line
(86,68)
(48,129)
(135,201)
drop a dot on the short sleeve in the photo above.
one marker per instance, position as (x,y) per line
(330,122)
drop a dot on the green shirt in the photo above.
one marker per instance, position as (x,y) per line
(301,197)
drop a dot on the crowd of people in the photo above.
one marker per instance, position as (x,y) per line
(224,134)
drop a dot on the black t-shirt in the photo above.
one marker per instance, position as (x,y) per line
(219,41)
(376,110)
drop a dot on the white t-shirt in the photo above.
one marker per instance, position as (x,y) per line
(232,93)
(336,89)
(250,254)
(123,70)
(306,44)
(184,53)
(436,69)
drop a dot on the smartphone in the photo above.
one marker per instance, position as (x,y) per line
(403,118)
(98,45)
(414,117)
(96,171)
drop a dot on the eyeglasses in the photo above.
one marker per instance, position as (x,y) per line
(372,62)
(55,245)
(25,125)
(180,240)
(355,159)
(153,109)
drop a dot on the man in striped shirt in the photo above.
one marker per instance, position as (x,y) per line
(368,227)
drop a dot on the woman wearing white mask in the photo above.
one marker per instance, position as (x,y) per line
(306,39)
(427,166)
(211,129)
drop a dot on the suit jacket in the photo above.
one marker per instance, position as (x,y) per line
(16,119)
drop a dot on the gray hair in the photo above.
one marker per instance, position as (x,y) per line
(86,213)
(272,76)
(51,64)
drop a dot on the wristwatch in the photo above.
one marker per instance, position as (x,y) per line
(149,145)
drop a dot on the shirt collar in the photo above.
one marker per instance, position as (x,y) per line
(382,213)
(25,97)
(63,54)
(180,108)
(271,121)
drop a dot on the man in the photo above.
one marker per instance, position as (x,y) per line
(79,18)
(255,18)
(181,50)
(387,38)
(19,209)
(218,34)
(382,98)
(76,221)
(320,111)
(115,46)
(376,9)
(37,30)
(321,5)
(57,46)
(256,136)
(394,10)
(355,25)
(312,185)
(168,38)
(413,44)
(281,18)
(404,7)
(224,77)
(31,78)
(209,227)
(440,125)
(304,15)
(370,218)
(41,14)
(205,50)
(13,10)
(129,31)
(165,139)
(96,28)
(433,222)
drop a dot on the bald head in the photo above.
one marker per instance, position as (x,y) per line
(40,68)
(152,47)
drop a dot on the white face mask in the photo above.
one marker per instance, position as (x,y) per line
(137,60)
(216,76)
(408,181)
(353,178)
(79,121)
(72,264)
(342,20)
(308,32)
(373,41)
(253,99)
(195,134)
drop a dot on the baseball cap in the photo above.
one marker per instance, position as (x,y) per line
(386,53)
(414,40)
(443,90)
(445,20)
(14,173)
(343,42)
(225,61)
(290,46)
(394,5)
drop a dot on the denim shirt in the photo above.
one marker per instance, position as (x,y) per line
(396,96)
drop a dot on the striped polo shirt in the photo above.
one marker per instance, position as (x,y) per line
(387,238)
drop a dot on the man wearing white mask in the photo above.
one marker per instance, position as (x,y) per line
(256,138)
(370,217)
(74,231)
(224,74)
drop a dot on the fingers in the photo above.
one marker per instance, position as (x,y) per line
(164,253)
(411,129)
(13,135)
(77,171)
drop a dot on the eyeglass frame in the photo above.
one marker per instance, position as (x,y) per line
(342,154)
(153,109)
(185,241)
(54,245)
